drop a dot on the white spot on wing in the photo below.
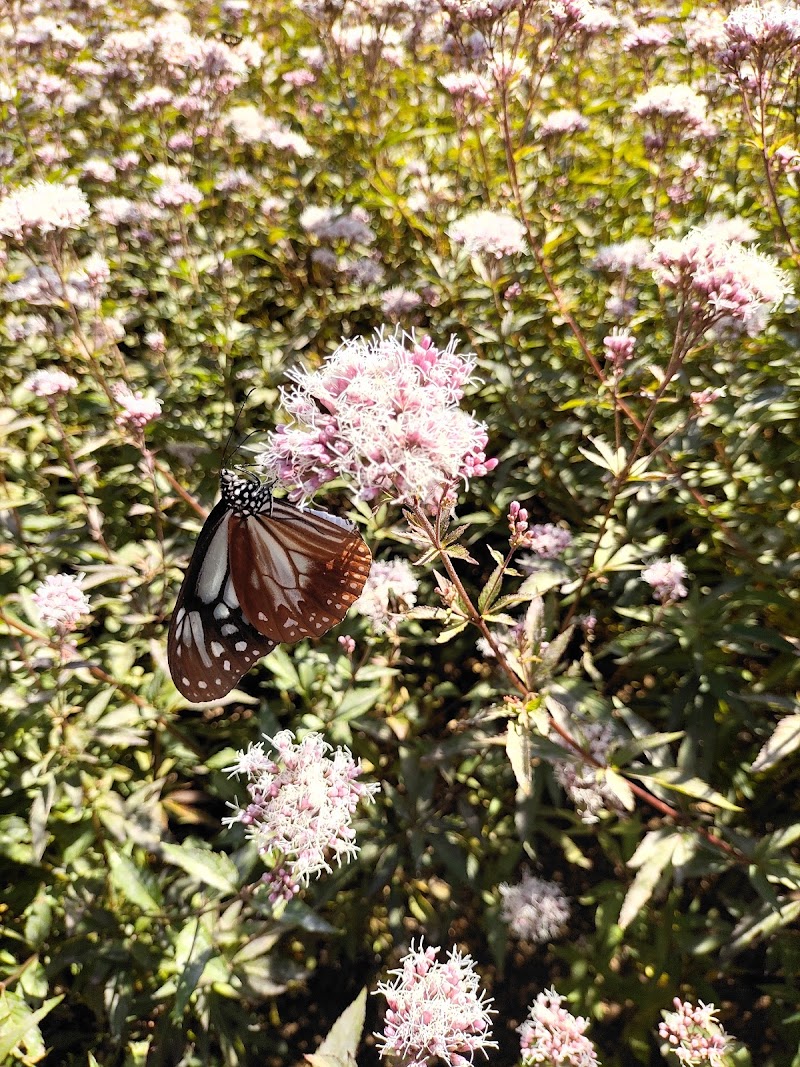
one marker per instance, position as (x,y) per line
(215,564)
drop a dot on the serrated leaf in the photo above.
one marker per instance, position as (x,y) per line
(193,953)
(520,756)
(784,740)
(460,552)
(755,925)
(20,1026)
(127,879)
(341,1045)
(210,868)
(490,591)
(679,781)
(652,858)
(628,750)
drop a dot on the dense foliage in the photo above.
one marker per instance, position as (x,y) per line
(586,736)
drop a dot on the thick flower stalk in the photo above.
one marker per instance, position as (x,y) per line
(384,415)
(435,1010)
(301,803)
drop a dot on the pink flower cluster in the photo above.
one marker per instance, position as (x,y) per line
(50,382)
(536,910)
(491,233)
(42,208)
(435,1009)
(761,33)
(301,803)
(136,409)
(720,280)
(382,413)
(619,346)
(546,540)
(694,1035)
(553,1037)
(389,593)
(61,602)
(665,576)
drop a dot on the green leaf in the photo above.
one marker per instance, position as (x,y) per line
(635,746)
(356,702)
(127,879)
(784,740)
(679,781)
(653,858)
(193,952)
(520,756)
(341,1044)
(210,868)
(19,1026)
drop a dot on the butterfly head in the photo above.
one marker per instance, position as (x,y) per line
(246,493)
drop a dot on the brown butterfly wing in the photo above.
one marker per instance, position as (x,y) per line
(296,571)
(211,643)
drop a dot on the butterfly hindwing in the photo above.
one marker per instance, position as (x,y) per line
(296,571)
(211,643)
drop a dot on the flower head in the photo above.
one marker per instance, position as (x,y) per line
(389,592)
(535,910)
(619,346)
(665,576)
(301,803)
(565,120)
(61,601)
(50,382)
(760,32)
(554,1037)
(547,541)
(721,280)
(493,233)
(694,1035)
(41,208)
(136,409)
(435,1009)
(384,414)
(588,790)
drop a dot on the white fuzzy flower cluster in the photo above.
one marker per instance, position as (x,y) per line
(61,602)
(565,120)
(436,1011)
(552,1037)
(676,104)
(536,910)
(721,280)
(665,577)
(301,802)
(50,382)
(389,593)
(41,208)
(587,790)
(491,233)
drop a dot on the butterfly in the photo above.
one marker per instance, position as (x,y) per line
(263,572)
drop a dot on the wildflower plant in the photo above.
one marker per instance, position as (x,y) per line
(511,285)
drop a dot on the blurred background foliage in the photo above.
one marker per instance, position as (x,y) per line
(129,934)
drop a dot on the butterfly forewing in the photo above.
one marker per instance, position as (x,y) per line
(296,571)
(211,643)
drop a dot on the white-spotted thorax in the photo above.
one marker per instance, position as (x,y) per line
(245,493)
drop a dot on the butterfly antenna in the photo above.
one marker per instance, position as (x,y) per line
(233,429)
